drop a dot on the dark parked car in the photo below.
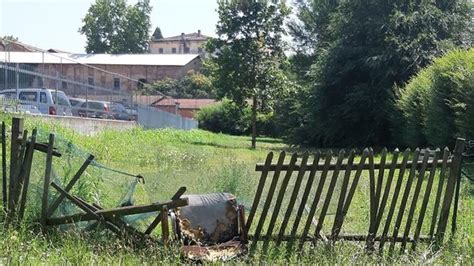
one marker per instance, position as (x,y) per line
(95,109)
(119,112)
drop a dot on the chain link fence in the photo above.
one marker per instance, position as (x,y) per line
(90,86)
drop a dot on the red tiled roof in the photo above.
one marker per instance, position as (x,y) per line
(185,103)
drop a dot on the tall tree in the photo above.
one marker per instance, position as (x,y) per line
(157,34)
(361,50)
(112,26)
(249,49)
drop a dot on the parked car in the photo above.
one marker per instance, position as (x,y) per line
(95,109)
(47,101)
(133,113)
(119,112)
(76,105)
(12,106)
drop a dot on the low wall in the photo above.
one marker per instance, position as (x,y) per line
(88,126)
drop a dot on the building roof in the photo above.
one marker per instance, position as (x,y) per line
(195,36)
(184,103)
(17,46)
(99,59)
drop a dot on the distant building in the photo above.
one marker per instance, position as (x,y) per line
(16,46)
(184,107)
(192,43)
(108,71)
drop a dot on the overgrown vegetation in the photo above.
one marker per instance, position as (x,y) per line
(358,51)
(194,85)
(204,162)
(437,105)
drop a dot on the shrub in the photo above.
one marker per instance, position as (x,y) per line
(437,105)
(225,117)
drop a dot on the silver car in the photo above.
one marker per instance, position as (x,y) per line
(52,102)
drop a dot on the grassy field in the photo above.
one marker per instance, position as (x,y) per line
(203,162)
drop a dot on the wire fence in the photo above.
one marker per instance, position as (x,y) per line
(91,86)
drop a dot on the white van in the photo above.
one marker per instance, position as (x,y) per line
(46,100)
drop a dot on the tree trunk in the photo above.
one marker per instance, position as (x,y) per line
(254,122)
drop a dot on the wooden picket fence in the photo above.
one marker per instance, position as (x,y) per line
(393,184)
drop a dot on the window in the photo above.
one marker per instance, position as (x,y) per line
(173,50)
(200,50)
(29,96)
(116,83)
(43,97)
(64,85)
(186,50)
(60,98)
(40,82)
(160,50)
(90,81)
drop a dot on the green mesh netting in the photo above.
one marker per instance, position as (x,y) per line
(99,184)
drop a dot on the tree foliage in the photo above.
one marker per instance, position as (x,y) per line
(157,34)
(194,85)
(113,26)
(249,51)
(361,49)
(437,105)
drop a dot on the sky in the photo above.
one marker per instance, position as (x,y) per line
(55,23)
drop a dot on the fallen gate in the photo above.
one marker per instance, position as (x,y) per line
(403,182)
(16,183)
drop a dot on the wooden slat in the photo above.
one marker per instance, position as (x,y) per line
(115,212)
(47,180)
(280,196)
(373,207)
(386,192)
(164,225)
(393,204)
(349,237)
(381,172)
(406,193)
(317,196)
(25,173)
(269,198)
(426,199)
(304,198)
(355,182)
(366,166)
(69,186)
(119,223)
(442,175)
(86,209)
(17,129)
(421,176)
(294,195)
(329,193)
(258,193)
(4,168)
(448,195)
(338,219)
(157,219)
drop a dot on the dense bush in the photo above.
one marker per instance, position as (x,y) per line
(225,117)
(438,104)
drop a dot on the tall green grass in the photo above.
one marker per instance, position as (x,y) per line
(203,162)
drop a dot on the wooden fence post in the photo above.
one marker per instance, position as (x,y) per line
(17,129)
(47,180)
(4,168)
